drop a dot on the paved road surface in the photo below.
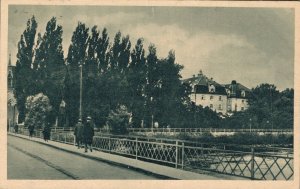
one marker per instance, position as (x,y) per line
(31,160)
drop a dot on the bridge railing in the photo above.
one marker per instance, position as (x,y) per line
(200,130)
(252,164)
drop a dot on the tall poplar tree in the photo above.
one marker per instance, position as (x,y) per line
(77,54)
(137,83)
(24,73)
(50,67)
(102,51)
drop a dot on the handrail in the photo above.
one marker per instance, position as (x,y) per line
(263,165)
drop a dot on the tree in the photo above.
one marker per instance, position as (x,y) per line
(77,55)
(151,94)
(102,51)
(268,108)
(24,74)
(169,85)
(94,100)
(78,47)
(137,82)
(37,111)
(49,65)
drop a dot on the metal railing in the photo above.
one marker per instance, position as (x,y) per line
(268,165)
(211,130)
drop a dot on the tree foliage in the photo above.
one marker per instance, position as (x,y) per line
(269,108)
(49,65)
(37,111)
(24,73)
(118,120)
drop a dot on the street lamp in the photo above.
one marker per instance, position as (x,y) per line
(250,125)
(62,111)
(80,103)
(151,98)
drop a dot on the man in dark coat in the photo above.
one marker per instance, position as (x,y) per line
(78,133)
(88,134)
(47,132)
(31,130)
(16,127)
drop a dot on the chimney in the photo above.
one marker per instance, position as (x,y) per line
(9,61)
(200,73)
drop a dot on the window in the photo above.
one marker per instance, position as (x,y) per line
(228,92)
(243,93)
(220,98)
(243,101)
(212,89)
(211,106)
(235,107)
(202,97)
(242,108)
(220,106)
(211,97)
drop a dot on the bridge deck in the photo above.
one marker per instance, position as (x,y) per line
(72,163)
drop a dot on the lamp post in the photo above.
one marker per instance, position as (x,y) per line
(80,101)
(151,99)
(62,110)
(250,125)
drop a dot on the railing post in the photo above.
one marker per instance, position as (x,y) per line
(65,138)
(109,145)
(176,160)
(136,148)
(182,156)
(252,163)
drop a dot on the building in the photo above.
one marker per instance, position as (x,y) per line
(12,111)
(208,93)
(224,99)
(238,96)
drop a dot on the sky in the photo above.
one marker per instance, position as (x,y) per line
(249,45)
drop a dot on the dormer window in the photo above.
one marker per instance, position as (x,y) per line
(228,92)
(243,93)
(212,88)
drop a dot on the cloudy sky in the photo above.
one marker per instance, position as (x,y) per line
(250,45)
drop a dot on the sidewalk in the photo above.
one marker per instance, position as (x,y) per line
(152,168)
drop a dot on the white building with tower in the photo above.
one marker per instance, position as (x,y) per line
(224,99)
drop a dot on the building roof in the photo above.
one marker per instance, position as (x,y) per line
(204,85)
(237,90)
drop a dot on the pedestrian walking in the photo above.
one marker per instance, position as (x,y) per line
(78,133)
(31,130)
(47,132)
(88,134)
(16,127)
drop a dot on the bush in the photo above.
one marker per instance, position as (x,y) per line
(118,120)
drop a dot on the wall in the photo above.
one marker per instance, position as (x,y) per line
(206,101)
(239,103)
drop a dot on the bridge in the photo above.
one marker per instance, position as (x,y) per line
(142,158)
